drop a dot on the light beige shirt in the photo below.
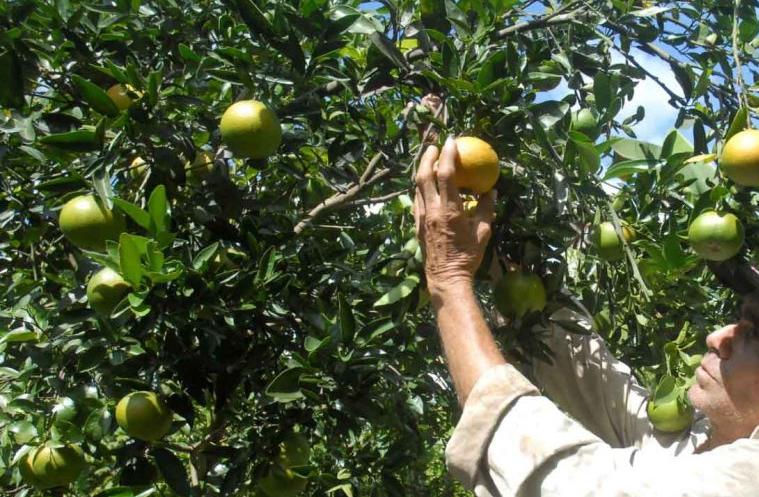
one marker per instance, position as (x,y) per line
(592,439)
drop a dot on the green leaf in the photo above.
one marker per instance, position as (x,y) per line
(627,167)
(684,77)
(22,431)
(285,387)
(628,148)
(550,112)
(188,54)
(158,209)
(95,96)
(604,89)
(589,156)
(200,262)
(676,144)
(493,69)
(129,259)
(347,320)
(154,85)
(11,80)
(73,141)
(399,292)
(172,470)
(738,123)
(138,215)
(102,185)
(388,49)
(99,421)
(19,335)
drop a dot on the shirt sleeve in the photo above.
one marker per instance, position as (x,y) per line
(521,444)
(594,387)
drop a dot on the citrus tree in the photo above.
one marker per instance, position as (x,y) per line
(209,278)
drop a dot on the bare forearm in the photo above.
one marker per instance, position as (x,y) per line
(469,346)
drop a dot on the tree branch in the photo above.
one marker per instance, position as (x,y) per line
(339,199)
(549,20)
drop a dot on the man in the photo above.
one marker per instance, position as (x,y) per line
(512,441)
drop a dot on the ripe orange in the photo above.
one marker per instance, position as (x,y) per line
(144,415)
(87,223)
(251,129)
(50,466)
(716,237)
(608,244)
(519,293)
(477,168)
(740,158)
(105,290)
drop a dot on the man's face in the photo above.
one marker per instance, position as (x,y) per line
(727,381)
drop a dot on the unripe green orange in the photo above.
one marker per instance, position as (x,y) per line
(518,293)
(669,415)
(477,166)
(715,236)
(144,415)
(251,129)
(585,122)
(740,158)
(49,466)
(608,244)
(87,223)
(105,290)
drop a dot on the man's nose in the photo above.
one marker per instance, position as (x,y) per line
(721,340)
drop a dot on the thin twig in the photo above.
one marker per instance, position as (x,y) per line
(542,22)
(377,200)
(738,68)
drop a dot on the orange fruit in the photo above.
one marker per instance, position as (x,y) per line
(715,236)
(251,129)
(119,95)
(477,169)
(608,244)
(50,466)
(87,223)
(740,158)
(518,293)
(144,415)
(105,290)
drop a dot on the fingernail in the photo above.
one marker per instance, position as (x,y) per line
(449,140)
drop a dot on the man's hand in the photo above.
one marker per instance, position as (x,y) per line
(452,241)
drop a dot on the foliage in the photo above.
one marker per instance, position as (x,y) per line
(276,295)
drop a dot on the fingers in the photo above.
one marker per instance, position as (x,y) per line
(419,214)
(449,192)
(425,177)
(484,215)
(486,206)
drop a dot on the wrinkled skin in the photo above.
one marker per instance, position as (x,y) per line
(452,241)
(727,384)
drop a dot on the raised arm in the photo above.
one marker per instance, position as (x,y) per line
(453,244)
